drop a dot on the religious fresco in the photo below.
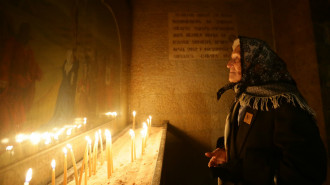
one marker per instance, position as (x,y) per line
(59,63)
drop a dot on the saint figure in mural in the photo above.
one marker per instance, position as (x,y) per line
(64,109)
(18,73)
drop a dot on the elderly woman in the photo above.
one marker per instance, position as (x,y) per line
(271,136)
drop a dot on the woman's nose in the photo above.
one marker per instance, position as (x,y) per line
(230,64)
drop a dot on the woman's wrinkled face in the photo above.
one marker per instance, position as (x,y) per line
(234,66)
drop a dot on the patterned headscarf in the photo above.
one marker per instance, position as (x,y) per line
(265,78)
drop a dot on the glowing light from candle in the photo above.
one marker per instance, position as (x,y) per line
(88,140)
(5,141)
(85,121)
(56,136)
(144,132)
(107,133)
(115,114)
(9,148)
(20,138)
(79,126)
(65,150)
(47,138)
(35,138)
(68,132)
(144,125)
(69,146)
(131,132)
(134,113)
(53,163)
(96,137)
(28,175)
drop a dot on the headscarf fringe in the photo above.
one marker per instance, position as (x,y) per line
(262,102)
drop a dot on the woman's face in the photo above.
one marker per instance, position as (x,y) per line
(234,66)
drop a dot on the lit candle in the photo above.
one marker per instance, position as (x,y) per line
(65,166)
(134,113)
(147,131)
(89,157)
(28,176)
(143,134)
(53,171)
(74,164)
(131,132)
(108,151)
(86,157)
(101,142)
(96,151)
(150,120)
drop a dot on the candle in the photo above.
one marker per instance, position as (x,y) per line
(28,176)
(131,132)
(96,151)
(147,131)
(89,156)
(101,142)
(86,157)
(143,134)
(134,113)
(74,164)
(65,166)
(53,171)
(150,120)
(108,151)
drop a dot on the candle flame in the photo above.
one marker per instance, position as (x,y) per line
(9,148)
(69,146)
(53,163)
(131,132)
(65,150)
(79,126)
(28,175)
(35,138)
(88,140)
(107,132)
(68,132)
(150,117)
(20,138)
(85,120)
(5,140)
(100,131)
(96,136)
(115,114)
(134,113)
(144,132)
(144,125)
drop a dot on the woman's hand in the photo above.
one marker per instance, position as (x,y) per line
(218,156)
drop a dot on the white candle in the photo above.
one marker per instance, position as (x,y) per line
(65,166)
(143,134)
(101,142)
(108,152)
(134,113)
(28,176)
(53,171)
(131,132)
(74,164)
(150,120)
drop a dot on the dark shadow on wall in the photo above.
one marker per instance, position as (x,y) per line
(184,160)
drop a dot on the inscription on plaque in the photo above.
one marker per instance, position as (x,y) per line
(200,36)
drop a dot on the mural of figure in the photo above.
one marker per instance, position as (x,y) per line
(64,109)
(83,89)
(18,74)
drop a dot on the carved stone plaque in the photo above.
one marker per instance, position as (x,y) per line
(200,36)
